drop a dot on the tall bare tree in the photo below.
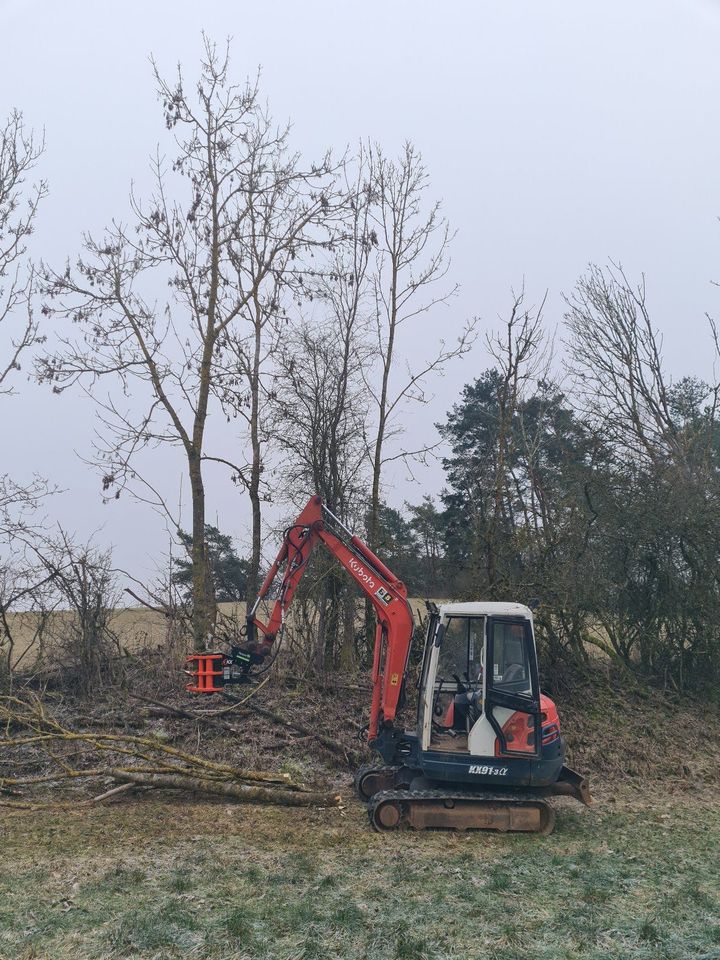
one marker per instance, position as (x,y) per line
(321,419)
(229,214)
(410,266)
(291,225)
(321,407)
(20,581)
(520,356)
(615,354)
(19,201)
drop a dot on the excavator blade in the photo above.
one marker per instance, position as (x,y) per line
(572,784)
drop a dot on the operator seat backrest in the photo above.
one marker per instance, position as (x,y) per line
(516,671)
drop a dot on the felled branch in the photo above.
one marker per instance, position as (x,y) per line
(36,740)
(246,794)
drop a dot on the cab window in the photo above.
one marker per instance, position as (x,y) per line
(453,651)
(511,665)
(461,652)
(458,687)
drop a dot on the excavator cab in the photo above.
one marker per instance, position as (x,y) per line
(487,749)
(479,692)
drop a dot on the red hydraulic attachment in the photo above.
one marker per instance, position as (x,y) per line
(206,670)
(316,525)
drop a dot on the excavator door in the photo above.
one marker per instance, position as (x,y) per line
(512,690)
(480,692)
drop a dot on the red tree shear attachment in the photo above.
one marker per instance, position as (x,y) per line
(206,670)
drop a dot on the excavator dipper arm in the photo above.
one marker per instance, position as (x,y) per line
(317,526)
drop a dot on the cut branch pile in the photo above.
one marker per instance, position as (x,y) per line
(38,753)
(341,753)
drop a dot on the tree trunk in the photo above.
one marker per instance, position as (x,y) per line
(236,791)
(322,627)
(332,630)
(203,597)
(374,524)
(348,653)
(253,581)
(256,464)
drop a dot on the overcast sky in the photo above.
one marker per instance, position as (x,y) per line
(556,133)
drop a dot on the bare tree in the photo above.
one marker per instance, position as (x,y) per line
(521,360)
(27,600)
(20,582)
(293,215)
(84,594)
(411,262)
(321,406)
(19,202)
(58,596)
(236,173)
(321,417)
(615,354)
(321,410)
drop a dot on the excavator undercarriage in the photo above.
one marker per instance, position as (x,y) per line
(399,798)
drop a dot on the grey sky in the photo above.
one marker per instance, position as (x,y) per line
(555,132)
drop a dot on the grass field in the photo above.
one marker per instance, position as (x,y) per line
(632,877)
(135,627)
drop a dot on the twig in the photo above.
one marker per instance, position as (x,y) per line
(123,788)
(234,706)
(164,613)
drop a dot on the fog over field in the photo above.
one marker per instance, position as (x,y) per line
(556,133)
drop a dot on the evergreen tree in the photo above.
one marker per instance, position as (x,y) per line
(229,571)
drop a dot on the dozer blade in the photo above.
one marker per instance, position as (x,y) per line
(438,810)
(572,784)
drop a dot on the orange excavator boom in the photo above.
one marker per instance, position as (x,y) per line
(317,526)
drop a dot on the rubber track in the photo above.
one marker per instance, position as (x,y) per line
(407,796)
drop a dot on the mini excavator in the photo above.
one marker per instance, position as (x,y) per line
(486,752)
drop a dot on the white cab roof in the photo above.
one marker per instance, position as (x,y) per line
(482,609)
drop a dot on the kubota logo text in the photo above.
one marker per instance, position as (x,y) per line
(359,571)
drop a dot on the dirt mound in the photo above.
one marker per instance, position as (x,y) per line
(624,729)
